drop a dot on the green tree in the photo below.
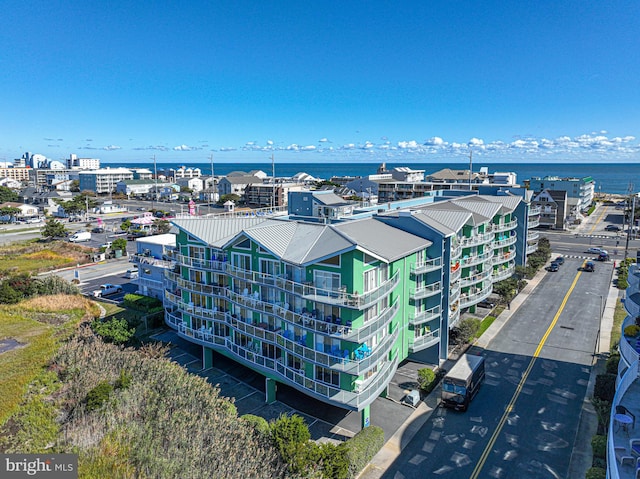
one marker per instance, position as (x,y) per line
(161,226)
(231,196)
(53,229)
(113,330)
(7,194)
(291,437)
(74,186)
(125,225)
(9,211)
(119,244)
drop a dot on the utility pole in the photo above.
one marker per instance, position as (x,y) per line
(273,176)
(213,182)
(631,221)
(470,166)
(155,184)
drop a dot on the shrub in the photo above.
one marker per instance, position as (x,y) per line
(98,395)
(53,284)
(632,330)
(142,303)
(622,283)
(605,387)
(599,445)
(426,379)
(290,436)
(8,295)
(113,330)
(362,447)
(259,423)
(124,380)
(612,363)
(333,460)
(596,473)
(466,330)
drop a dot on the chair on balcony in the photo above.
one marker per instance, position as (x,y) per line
(634,446)
(622,455)
(287,334)
(245,292)
(620,409)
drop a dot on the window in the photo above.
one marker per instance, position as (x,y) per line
(269,266)
(246,244)
(326,280)
(370,280)
(199,300)
(242,261)
(196,252)
(196,276)
(333,261)
(327,376)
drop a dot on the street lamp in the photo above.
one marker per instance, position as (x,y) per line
(595,347)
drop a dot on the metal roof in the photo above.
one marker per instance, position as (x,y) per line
(216,231)
(482,211)
(381,240)
(509,203)
(446,221)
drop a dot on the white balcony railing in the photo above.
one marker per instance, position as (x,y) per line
(426,266)
(472,260)
(502,273)
(475,278)
(425,291)
(505,242)
(505,226)
(467,299)
(475,240)
(424,316)
(425,341)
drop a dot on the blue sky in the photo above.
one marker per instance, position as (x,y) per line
(321,81)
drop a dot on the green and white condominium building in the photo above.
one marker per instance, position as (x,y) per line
(332,309)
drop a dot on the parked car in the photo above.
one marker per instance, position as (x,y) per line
(131,273)
(106,245)
(485,303)
(553,267)
(589,267)
(97,230)
(603,256)
(559,260)
(613,228)
(80,236)
(107,289)
(595,250)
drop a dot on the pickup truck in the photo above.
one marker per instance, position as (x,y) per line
(107,289)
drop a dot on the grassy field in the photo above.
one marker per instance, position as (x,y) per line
(38,325)
(34,257)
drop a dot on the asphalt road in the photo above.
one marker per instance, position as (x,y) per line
(524,420)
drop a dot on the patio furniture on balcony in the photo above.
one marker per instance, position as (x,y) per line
(620,409)
(622,455)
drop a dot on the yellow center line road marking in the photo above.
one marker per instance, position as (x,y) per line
(516,394)
(598,220)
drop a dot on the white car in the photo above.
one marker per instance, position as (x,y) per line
(107,289)
(595,250)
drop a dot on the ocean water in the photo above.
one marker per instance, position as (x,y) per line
(617,178)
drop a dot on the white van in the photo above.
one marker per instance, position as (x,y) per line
(131,274)
(80,236)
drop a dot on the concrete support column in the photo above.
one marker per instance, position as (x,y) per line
(270,388)
(365,417)
(207,357)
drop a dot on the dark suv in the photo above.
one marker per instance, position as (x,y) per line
(589,267)
(612,228)
(553,267)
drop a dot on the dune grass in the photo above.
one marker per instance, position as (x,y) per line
(38,325)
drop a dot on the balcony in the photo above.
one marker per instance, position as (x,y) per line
(426,266)
(632,303)
(454,317)
(469,299)
(505,226)
(629,347)
(534,210)
(454,293)
(476,278)
(478,239)
(425,291)
(456,251)
(503,272)
(532,248)
(456,271)
(373,326)
(628,395)
(505,242)
(533,222)
(204,264)
(421,317)
(423,342)
(533,235)
(143,259)
(504,257)
(333,296)
(476,259)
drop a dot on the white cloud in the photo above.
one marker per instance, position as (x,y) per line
(111,148)
(323,140)
(435,141)
(475,142)
(412,144)
(182,148)
(270,142)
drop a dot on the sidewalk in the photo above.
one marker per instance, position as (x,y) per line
(581,453)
